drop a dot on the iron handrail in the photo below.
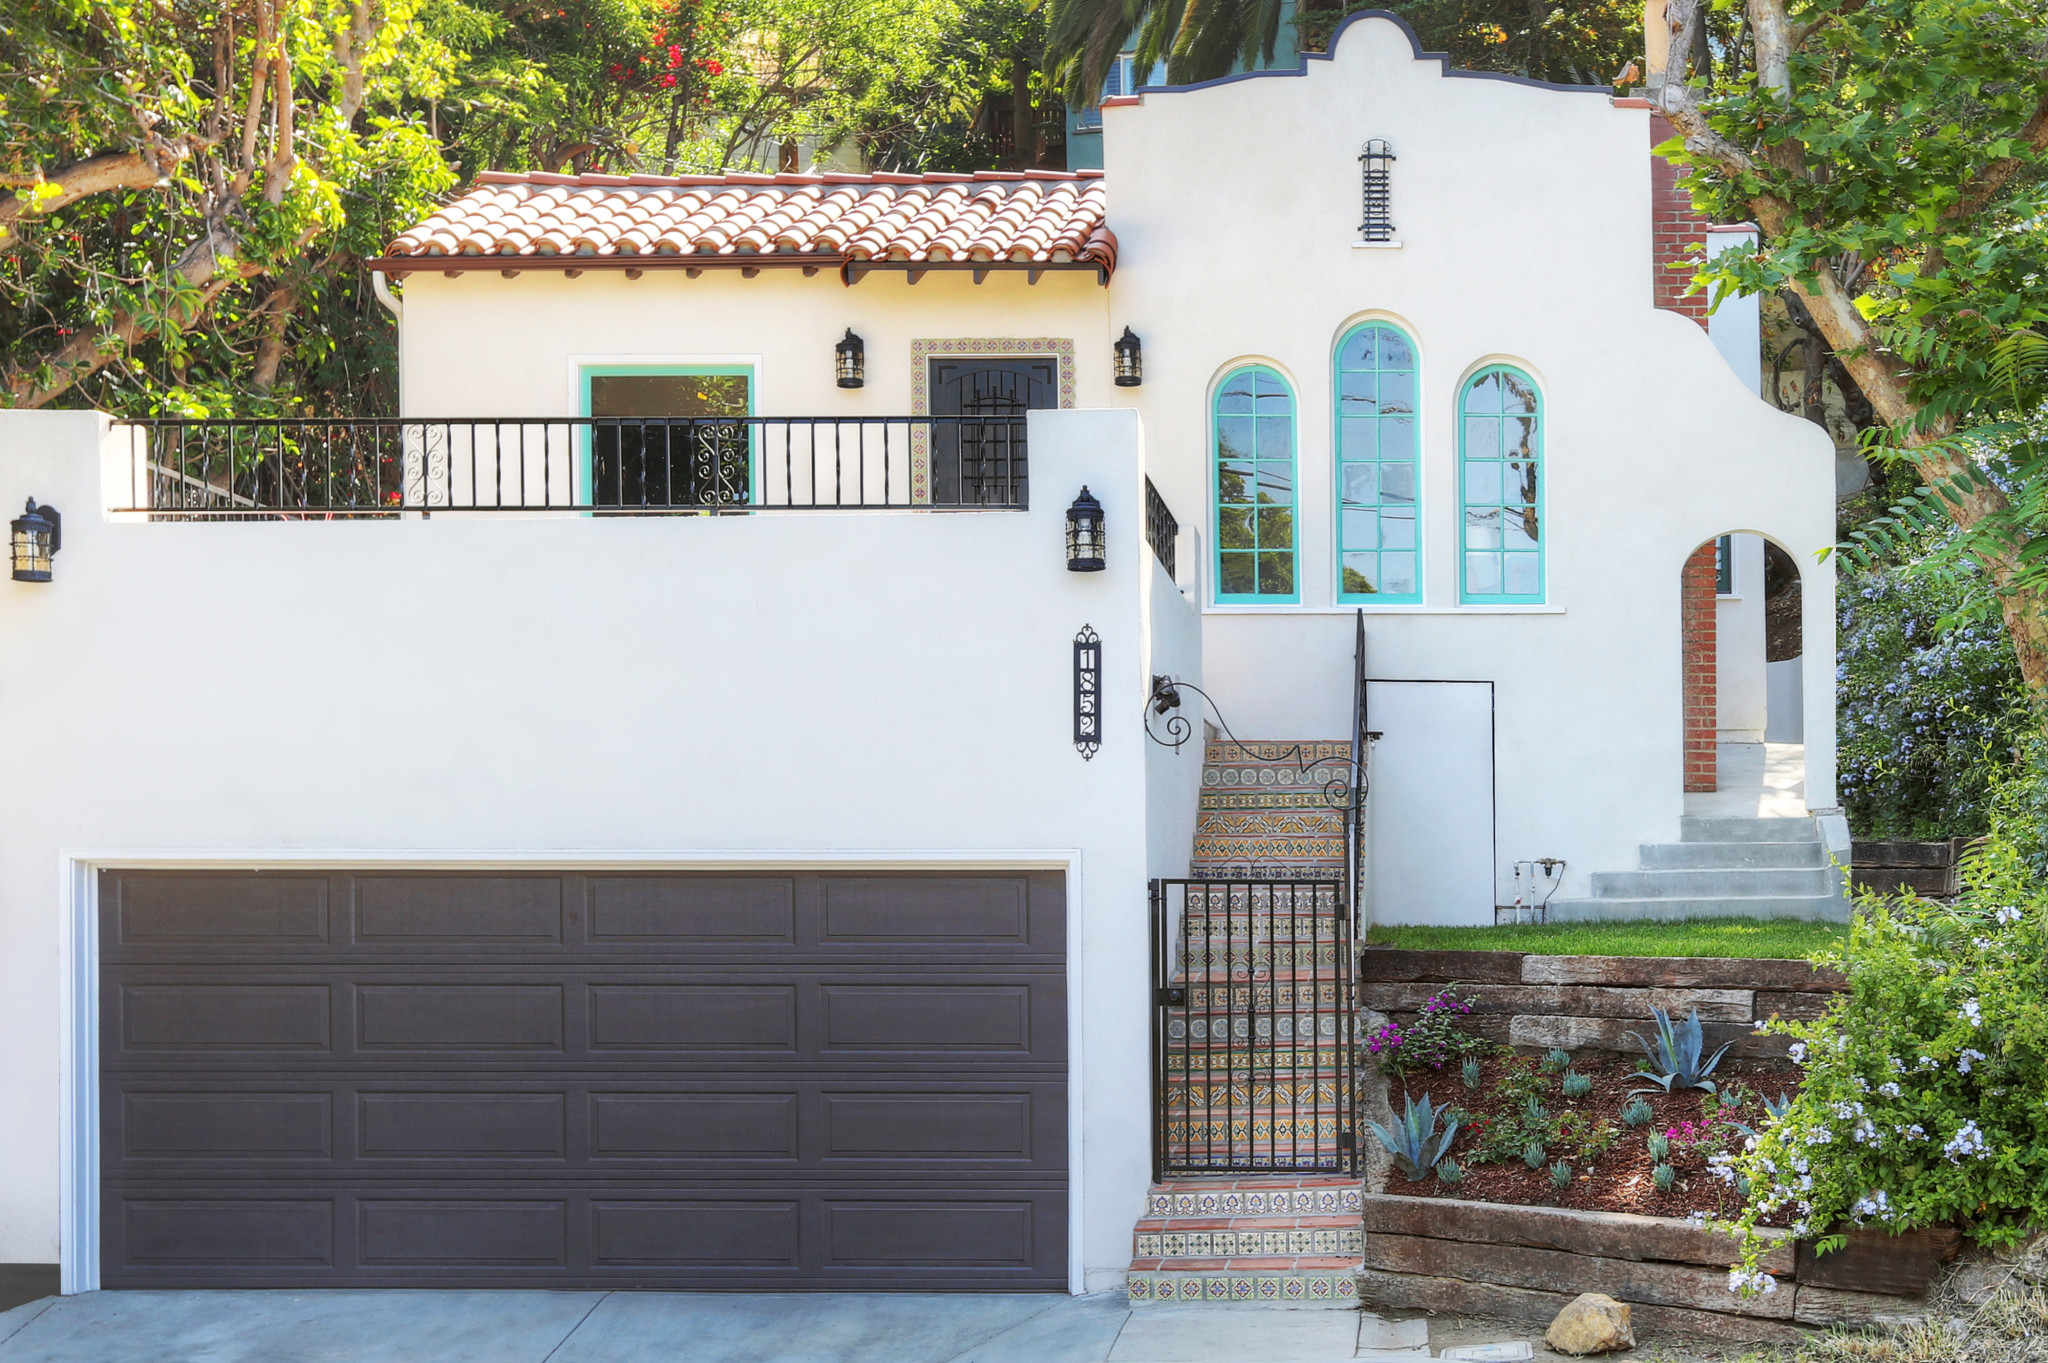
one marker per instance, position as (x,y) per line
(293,467)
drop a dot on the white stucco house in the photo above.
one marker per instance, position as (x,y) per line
(655,814)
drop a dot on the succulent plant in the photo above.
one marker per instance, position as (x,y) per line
(1636,1112)
(1664,1176)
(1777,1106)
(1577,1085)
(1469,1071)
(1675,1061)
(1560,1176)
(1534,1112)
(1449,1171)
(1731,1097)
(1533,1154)
(1558,1059)
(1414,1141)
(1660,1146)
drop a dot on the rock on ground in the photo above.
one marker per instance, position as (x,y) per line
(1593,1323)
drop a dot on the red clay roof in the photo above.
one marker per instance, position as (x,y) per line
(1018,219)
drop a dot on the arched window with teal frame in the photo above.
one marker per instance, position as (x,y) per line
(1255,532)
(1378,483)
(1500,482)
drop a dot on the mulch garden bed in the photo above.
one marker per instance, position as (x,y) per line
(1616,1179)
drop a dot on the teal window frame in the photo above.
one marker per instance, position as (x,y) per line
(1496,440)
(1265,473)
(1379,463)
(584,492)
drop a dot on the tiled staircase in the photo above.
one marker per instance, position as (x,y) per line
(1269,1241)
(1254,1054)
(1268,814)
(1721,868)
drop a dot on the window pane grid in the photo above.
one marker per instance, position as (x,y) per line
(1379,557)
(1255,548)
(1499,468)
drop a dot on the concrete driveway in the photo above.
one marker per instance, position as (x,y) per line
(612,1327)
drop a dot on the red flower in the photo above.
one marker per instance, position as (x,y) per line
(710,67)
(668,81)
(675,57)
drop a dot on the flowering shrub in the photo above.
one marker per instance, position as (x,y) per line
(1927,715)
(1925,1097)
(1434,1039)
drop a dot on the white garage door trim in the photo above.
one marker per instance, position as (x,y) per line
(78,949)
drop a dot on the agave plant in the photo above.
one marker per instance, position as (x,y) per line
(1560,1176)
(1775,1108)
(1469,1071)
(1675,1058)
(1533,1154)
(1414,1141)
(1450,1171)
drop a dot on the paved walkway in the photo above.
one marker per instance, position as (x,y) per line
(613,1327)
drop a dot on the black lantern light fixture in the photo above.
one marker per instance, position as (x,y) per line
(38,535)
(1085,537)
(1130,360)
(849,358)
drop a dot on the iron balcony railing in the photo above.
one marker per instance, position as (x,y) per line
(1161,529)
(617,465)
(1254,1044)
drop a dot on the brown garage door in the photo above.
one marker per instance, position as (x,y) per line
(614,1080)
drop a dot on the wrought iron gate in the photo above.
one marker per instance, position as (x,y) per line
(1254,1028)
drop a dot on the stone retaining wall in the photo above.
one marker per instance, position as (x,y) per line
(1578,1002)
(1527,1263)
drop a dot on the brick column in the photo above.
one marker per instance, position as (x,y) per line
(1696,607)
(1678,231)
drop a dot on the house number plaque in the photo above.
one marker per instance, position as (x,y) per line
(1087,692)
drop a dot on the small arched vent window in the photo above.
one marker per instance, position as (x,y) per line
(1500,461)
(1255,538)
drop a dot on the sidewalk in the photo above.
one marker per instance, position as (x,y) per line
(613,1327)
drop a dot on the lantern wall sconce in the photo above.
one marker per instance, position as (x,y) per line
(1085,537)
(38,533)
(1130,360)
(849,361)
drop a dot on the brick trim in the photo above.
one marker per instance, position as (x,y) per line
(1701,668)
(1678,232)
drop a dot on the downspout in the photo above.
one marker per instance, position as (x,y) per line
(396,307)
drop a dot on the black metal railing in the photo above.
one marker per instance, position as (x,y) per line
(1361,786)
(620,465)
(1161,529)
(1254,1041)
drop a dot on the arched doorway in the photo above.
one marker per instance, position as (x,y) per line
(1740,619)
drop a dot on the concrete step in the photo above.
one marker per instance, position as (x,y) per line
(1826,908)
(1678,856)
(1714,882)
(1747,830)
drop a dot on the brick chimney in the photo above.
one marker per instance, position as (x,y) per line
(1678,232)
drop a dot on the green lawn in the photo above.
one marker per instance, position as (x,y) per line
(1766,938)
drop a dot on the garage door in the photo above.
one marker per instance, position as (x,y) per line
(762,1081)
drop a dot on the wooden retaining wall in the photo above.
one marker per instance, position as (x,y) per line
(1578,1002)
(1527,1263)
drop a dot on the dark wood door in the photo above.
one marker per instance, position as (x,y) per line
(982,460)
(762,1081)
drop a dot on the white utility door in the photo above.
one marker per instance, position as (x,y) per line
(1430,812)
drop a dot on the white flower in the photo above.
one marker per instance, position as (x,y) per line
(1928,1062)
(1981,943)
(1963,1060)
(1747,1284)
(1970,1012)
(1968,1141)
(1866,1131)
(1915,1132)
(1898,1065)
(1797,1051)
(1872,1204)
(2007,915)
(1890,1090)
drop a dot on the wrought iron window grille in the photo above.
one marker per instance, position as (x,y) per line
(1377,160)
(1162,531)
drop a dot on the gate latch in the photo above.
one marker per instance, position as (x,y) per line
(1173,996)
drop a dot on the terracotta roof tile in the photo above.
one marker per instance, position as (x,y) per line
(1001,217)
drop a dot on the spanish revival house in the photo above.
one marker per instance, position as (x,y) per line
(854,723)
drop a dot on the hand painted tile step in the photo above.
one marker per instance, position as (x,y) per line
(1256,1195)
(1335,1289)
(1167,1245)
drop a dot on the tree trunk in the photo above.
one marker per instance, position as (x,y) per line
(1023,118)
(270,351)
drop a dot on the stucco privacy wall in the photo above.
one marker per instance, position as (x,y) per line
(1524,217)
(483,345)
(891,686)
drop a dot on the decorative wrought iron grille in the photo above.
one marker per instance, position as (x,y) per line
(1377,158)
(1254,1033)
(621,465)
(1162,531)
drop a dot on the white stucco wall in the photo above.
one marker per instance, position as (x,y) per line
(1524,215)
(892,686)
